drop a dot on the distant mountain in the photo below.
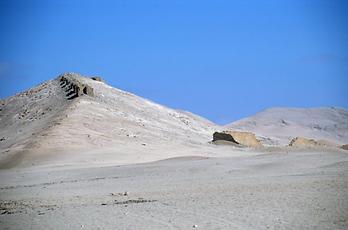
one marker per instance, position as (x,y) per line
(276,126)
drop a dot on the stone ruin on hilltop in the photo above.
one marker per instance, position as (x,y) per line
(73,87)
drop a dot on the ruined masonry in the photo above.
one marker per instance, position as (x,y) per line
(73,87)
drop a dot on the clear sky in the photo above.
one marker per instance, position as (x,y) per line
(223,60)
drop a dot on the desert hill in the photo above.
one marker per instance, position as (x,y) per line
(75,120)
(49,121)
(277,126)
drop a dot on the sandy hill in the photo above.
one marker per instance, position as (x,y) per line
(74,120)
(277,126)
(49,122)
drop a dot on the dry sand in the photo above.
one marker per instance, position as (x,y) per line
(295,190)
(117,161)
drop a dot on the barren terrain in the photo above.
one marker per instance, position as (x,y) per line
(90,156)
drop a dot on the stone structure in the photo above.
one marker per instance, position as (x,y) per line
(305,142)
(218,136)
(73,87)
(242,138)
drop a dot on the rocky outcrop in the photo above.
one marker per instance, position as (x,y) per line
(305,142)
(247,139)
(301,142)
(73,87)
(345,147)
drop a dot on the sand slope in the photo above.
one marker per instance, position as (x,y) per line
(43,125)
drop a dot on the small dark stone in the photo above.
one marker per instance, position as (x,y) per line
(97,79)
(345,147)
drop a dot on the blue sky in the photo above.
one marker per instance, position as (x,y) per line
(223,60)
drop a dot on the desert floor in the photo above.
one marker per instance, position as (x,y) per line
(280,190)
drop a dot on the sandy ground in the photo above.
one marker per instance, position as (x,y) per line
(294,190)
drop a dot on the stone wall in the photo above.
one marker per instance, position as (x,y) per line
(242,138)
(73,87)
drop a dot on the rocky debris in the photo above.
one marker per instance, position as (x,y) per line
(243,138)
(8,207)
(97,79)
(283,122)
(119,194)
(345,147)
(73,87)
(134,201)
(305,142)
(130,201)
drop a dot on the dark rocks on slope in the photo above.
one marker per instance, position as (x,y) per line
(97,79)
